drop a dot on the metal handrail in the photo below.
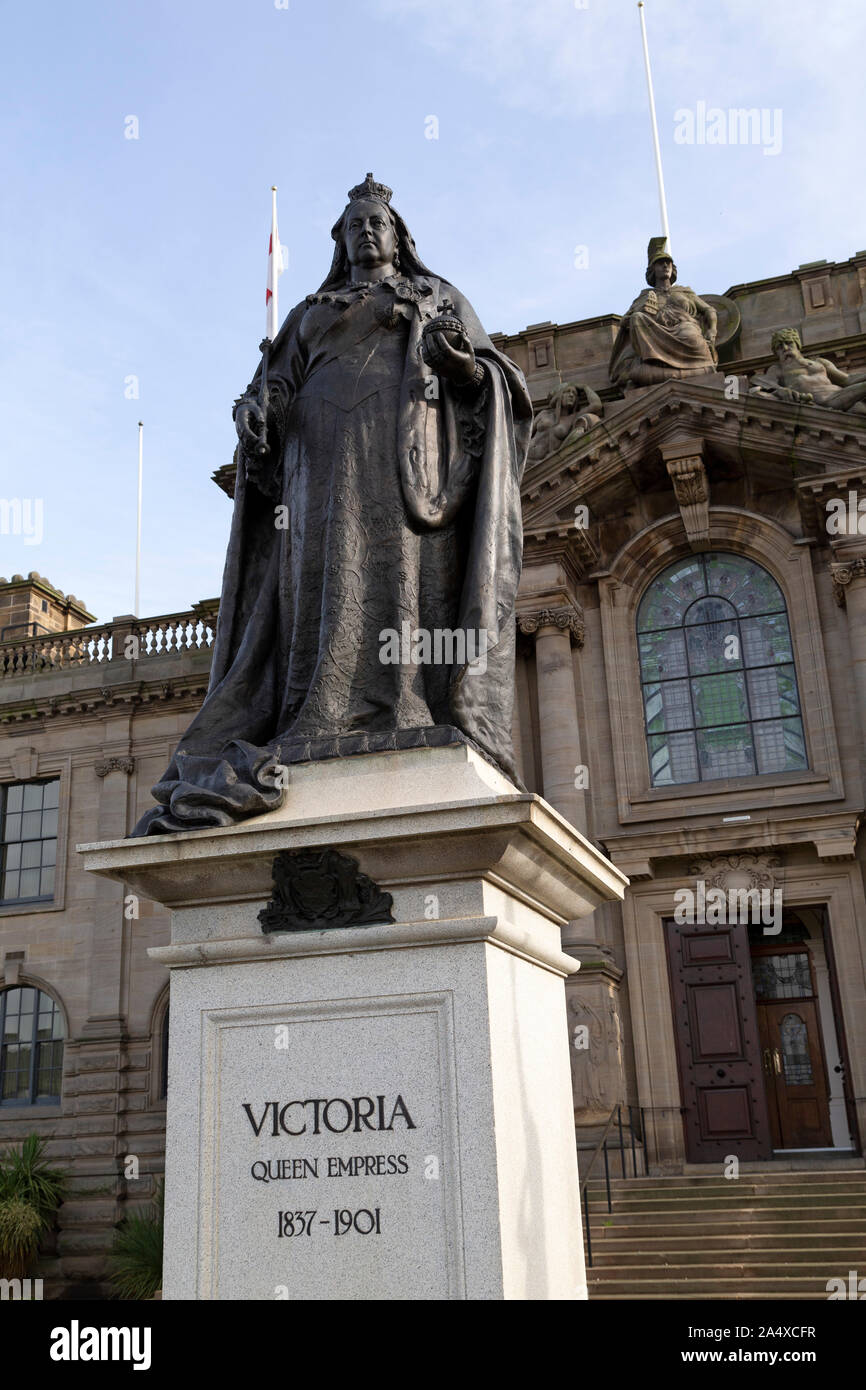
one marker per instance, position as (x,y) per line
(598,1149)
(601,1146)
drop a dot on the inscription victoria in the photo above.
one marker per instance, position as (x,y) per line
(368,1111)
(318,1115)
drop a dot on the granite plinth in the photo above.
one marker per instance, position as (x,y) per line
(382,1111)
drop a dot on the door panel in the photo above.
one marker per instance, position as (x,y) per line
(795,1076)
(717,1040)
(715,1022)
(726,1112)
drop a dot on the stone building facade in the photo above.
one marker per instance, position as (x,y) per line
(684,515)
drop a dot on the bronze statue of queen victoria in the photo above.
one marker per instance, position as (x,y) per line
(388,500)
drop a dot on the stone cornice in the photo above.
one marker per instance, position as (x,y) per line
(570,545)
(186,691)
(833,837)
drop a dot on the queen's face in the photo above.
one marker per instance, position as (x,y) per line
(369,235)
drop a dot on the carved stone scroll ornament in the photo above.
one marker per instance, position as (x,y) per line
(843,574)
(689,479)
(566,619)
(320,888)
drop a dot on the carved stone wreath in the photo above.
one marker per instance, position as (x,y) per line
(737,870)
(321,888)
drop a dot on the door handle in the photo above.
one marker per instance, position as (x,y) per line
(767,1064)
(777,1061)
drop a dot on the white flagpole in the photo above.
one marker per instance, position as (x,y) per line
(138,522)
(652,105)
(275,270)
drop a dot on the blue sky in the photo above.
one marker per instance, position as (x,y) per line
(146,257)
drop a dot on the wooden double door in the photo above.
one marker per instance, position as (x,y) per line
(749,1049)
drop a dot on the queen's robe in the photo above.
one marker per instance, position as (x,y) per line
(387,508)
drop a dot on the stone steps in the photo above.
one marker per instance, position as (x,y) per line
(732,1201)
(698,1237)
(743,1215)
(842,1248)
(788,1297)
(787,1183)
(823,1268)
(778,1286)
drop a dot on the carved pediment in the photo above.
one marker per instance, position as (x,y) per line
(747,425)
(635,454)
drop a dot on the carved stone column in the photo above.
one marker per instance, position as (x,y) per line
(554,630)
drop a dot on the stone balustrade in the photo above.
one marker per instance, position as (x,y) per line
(138,639)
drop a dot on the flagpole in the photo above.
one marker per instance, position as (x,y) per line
(138,521)
(272,318)
(652,105)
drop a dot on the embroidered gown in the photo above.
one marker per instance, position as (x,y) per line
(385,505)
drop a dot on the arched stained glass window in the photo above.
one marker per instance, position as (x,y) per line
(717,672)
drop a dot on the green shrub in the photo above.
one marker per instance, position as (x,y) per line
(30,1193)
(26,1173)
(135,1262)
(20,1232)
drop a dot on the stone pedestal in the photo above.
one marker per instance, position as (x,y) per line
(380,1110)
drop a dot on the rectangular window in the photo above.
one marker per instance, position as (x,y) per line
(28,841)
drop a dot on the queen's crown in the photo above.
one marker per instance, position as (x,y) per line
(370,189)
